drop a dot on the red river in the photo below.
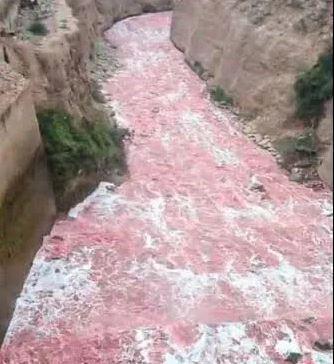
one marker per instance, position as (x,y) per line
(186,262)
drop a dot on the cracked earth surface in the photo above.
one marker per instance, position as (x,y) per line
(206,254)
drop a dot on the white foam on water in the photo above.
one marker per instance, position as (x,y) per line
(252,212)
(263,288)
(150,242)
(195,128)
(222,344)
(144,343)
(322,358)
(104,199)
(288,344)
(186,286)
(53,286)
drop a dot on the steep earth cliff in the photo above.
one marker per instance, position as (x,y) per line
(8,15)
(255,50)
(26,199)
(19,141)
(57,64)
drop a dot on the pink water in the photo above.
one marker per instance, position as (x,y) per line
(185,262)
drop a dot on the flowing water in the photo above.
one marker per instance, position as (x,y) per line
(206,254)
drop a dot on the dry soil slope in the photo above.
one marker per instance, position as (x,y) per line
(255,50)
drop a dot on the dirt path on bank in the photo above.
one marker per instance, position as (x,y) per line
(207,254)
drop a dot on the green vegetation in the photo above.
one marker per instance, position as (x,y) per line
(294,358)
(218,94)
(198,68)
(306,143)
(303,146)
(313,88)
(78,148)
(38,28)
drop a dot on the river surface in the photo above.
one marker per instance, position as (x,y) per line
(206,254)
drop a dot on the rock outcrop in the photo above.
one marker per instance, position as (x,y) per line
(8,15)
(57,63)
(325,137)
(326,168)
(255,50)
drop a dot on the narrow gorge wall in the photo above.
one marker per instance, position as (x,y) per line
(26,199)
(55,64)
(19,134)
(255,50)
(8,15)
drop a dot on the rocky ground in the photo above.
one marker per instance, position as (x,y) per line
(11,84)
(43,12)
(302,170)
(255,50)
(102,66)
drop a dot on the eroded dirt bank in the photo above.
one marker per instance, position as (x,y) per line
(207,254)
(256,50)
(56,63)
(29,216)
(27,208)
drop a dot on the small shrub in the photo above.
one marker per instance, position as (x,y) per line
(313,88)
(293,149)
(219,95)
(78,148)
(198,68)
(286,146)
(306,143)
(38,28)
